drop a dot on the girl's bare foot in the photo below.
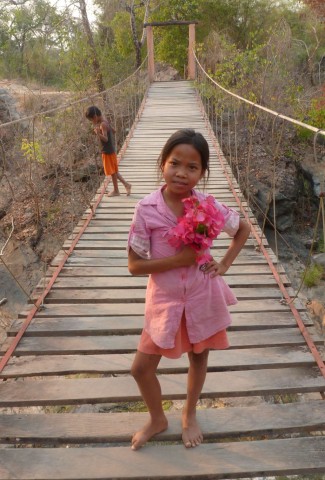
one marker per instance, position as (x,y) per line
(191,434)
(128,187)
(113,194)
(149,430)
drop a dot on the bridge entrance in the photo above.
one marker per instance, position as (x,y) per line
(191,42)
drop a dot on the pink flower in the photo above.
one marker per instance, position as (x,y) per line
(201,223)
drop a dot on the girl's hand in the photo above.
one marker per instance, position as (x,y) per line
(97,130)
(187,257)
(215,268)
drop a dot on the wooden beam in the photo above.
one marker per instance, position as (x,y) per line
(170,22)
(191,46)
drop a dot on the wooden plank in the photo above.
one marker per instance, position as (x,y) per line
(246,256)
(106,207)
(107,232)
(99,234)
(128,343)
(120,389)
(217,461)
(122,309)
(121,269)
(94,281)
(219,361)
(103,245)
(145,190)
(118,427)
(134,323)
(137,295)
(119,257)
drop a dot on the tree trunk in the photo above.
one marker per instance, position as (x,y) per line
(91,43)
(136,42)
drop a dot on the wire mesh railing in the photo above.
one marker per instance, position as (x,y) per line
(265,154)
(50,169)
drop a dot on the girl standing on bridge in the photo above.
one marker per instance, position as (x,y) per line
(186,308)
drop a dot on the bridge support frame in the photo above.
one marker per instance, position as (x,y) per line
(191,45)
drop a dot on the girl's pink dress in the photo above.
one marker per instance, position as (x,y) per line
(185,310)
(218,341)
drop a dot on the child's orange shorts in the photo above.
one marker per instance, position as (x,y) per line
(218,341)
(109,163)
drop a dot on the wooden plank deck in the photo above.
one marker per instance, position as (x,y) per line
(83,343)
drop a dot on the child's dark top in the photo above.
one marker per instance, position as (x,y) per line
(108,147)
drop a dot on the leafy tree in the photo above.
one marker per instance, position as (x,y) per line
(30,34)
(91,44)
(171,43)
(132,9)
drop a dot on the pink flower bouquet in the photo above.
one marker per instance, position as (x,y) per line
(201,223)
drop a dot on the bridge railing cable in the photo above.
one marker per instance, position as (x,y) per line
(264,150)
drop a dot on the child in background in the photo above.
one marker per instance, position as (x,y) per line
(104,132)
(186,309)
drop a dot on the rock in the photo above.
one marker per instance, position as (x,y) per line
(284,206)
(319,259)
(166,73)
(312,177)
(8,110)
(84,174)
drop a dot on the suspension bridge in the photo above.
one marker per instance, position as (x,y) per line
(74,344)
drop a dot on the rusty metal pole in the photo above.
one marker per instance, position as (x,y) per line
(151,60)
(191,45)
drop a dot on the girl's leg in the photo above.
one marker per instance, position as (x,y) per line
(144,372)
(126,184)
(115,192)
(192,434)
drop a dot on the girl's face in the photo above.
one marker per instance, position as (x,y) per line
(182,170)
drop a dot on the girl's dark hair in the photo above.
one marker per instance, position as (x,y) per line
(93,111)
(189,137)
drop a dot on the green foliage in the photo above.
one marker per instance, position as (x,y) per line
(52,213)
(285,398)
(140,406)
(32,151)
(313,275)
(78,57)
(30,38)
(240,67)
(171,43)
(315,117)
(122,34)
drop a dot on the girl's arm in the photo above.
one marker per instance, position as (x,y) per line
(239,240)
(140,266)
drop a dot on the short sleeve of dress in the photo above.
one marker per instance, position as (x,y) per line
(231,218)
(139,235)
